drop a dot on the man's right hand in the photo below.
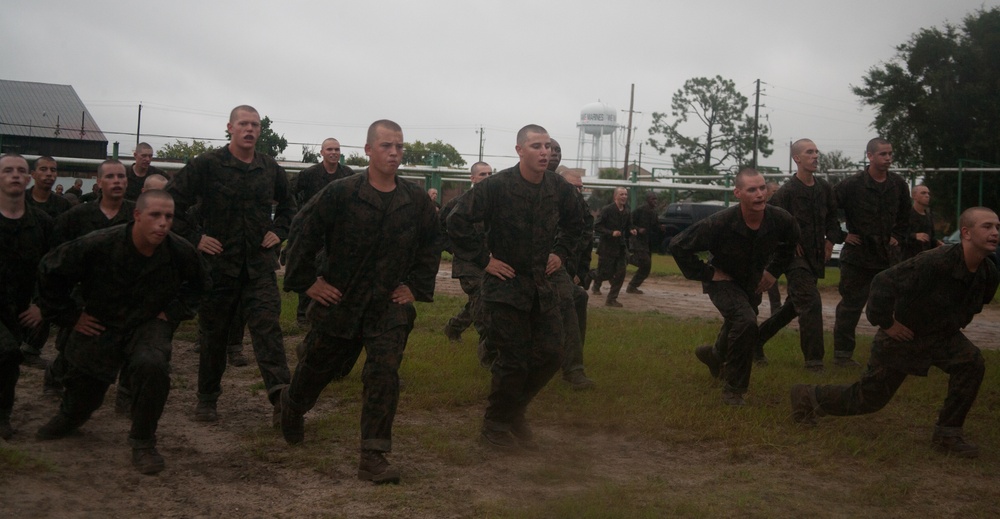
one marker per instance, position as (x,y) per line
(719,275)
(853,239)
(899,332)
(209,245)
(499,269)
(922,236)
(324,293)
(88,325)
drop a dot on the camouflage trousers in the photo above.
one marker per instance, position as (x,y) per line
(738,337)
(891,361)
(855,283)
(94,362)
(643,263)
(530,346)
(611,269)
(573,309)
(328,358)
(10,364)
(472,312)
(803,302)
(254,301)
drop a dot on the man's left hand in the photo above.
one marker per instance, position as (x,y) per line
(270,240)
(31,317)
(402,295)
(766,282)
(899,332)
(554,264)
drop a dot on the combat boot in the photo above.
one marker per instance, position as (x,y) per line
(954,445)
(237,359)
(292,422)
(633,290)
(147,461)
(59,427)
(206,411)
(499,440)
(578,380)
(733,399)
(452,334)
(375,468)
(613,303)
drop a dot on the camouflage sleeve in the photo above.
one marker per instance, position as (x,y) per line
(900,281)
(60,271)
(195,283)
(307,235)
(685,248)
(601,223)
(472,209)
(785,252)
(185,189)
(834,234)
(571,228)
(285,210)
(842,196)
(9,341)
(423,271)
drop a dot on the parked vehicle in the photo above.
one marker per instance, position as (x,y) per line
(681,215)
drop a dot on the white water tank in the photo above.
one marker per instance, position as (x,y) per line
(598,119)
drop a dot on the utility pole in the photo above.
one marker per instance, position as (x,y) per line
(756,125)
(138,124)
(481,136)
(628,138)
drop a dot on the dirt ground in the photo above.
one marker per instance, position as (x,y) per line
(211,472)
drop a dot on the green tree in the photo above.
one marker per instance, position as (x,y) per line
(182,150)
(269,143)
(937,102)
(422,154)
(726,136)
(835,160)
(356,159)
(309,156)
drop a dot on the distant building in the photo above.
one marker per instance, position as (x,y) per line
(46,119)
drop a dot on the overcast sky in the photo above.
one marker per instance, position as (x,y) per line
(445,68)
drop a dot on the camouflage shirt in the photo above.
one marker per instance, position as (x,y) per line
(460,267)
(313,179)
(118,286)
(373,242)
(815,209)
(524,223)
(737,250)
(86,218)
(919,223)
(23,242)
(876,211)
(609,220)
(647,226)
(135,183)
(236,201)
(54,206)
(932,293)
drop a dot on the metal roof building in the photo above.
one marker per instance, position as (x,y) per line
(47,119)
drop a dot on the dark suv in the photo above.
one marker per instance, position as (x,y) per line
(681,215)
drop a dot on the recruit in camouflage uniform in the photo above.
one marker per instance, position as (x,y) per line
(647,229)
(312,180)
(236,187)
(745,262)
(920,307)
(137,282)
(470,277)
(524,208)
(137,172)
(379,235)
(614,226)
(811,201)
(876,205)
(25,236)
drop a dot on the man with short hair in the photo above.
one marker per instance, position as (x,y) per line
(920,231)
(139,170)
(614,226)
(533,225)
(126,318)
(25,235)
(811,201)
(469,275)
(77,189)
(578,267)
(44,173)
(154,181)
(876,205)
(920,307)
(749,246)
(93,195)
(647,224)
(312,180)
(377,235)
(236,187)
(41,197)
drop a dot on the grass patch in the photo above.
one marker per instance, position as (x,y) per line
(14,460)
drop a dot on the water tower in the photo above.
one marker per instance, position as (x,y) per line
(598,122)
